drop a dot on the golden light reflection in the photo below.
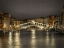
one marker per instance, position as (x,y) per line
(33,33)
(53,40)
(47,39)
(17,42)
(10,40)
(33,39)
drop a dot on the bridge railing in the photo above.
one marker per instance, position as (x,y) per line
(40,25)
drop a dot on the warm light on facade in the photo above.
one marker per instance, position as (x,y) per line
(51,21)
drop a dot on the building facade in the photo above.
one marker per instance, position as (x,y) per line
(62,18)
(1,19)
(51,21)
(6,21)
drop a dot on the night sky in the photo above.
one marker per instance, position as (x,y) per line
(23,9)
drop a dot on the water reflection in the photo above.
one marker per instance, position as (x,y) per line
(17,42)
(0,43)
(52,40)
(30,40)
(14,40)
(33,39)
(10,40)
(47,38)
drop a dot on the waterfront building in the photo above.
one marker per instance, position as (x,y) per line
(1,19)
(18,24)
(51,21)
(62,18)
(40,20)
(15,23)
(57,23)
(46,22)
(11,23)
(6,21)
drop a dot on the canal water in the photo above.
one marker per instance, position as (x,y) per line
(31,39)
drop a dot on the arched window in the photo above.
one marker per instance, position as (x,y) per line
(37,23)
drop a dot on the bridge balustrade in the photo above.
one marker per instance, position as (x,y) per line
(28,24)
